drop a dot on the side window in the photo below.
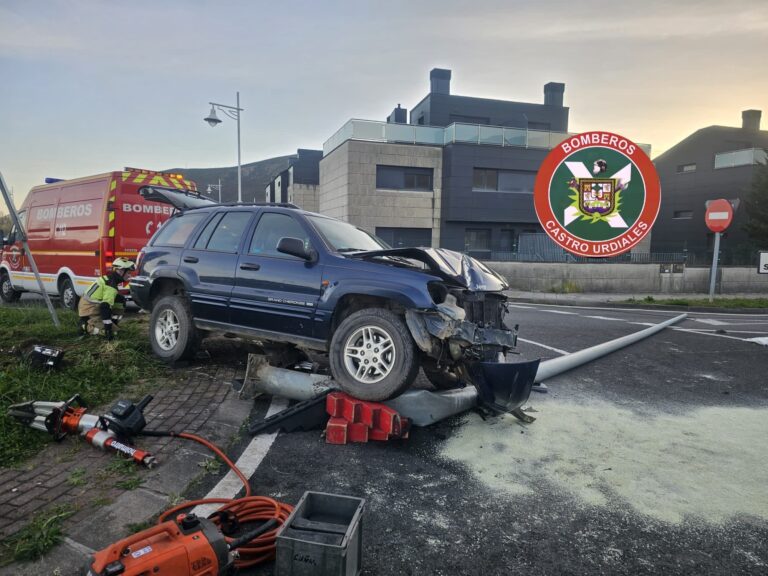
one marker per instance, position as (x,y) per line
(226,237)
(13,235)
(176,230)
(271,228)
(205,236)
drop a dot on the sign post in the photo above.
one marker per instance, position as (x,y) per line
(762,265)
(717,218)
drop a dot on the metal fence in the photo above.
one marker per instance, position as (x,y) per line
(540,248)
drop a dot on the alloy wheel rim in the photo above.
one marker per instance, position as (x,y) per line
(167,330)
(369,354)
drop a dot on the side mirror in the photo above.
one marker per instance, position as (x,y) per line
(295,247)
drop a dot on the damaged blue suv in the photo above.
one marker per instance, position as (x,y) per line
(312,287)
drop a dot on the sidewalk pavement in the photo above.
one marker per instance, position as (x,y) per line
(640,300)
(106,509)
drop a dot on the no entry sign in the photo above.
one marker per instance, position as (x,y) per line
(719,215)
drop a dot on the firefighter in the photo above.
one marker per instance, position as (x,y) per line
(96,305)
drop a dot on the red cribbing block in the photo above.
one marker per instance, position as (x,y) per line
(334,403)
(368,411)
(379,435)
(350,409)
(336,431)
(357,432)
(387,420)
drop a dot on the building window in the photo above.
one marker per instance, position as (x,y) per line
(507,241)
(404,178)
(463,119)
(685,168)
(682,214)
(492,180)
(420,121)
(477,240)
(405,237)
(485,179)
(543,126)
(740,158)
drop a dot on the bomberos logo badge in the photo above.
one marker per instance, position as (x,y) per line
(597,194)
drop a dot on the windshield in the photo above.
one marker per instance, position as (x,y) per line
(344,237)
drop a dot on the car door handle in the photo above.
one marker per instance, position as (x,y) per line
(250,266)
(191,259)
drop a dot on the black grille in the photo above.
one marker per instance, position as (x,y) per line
(485,310)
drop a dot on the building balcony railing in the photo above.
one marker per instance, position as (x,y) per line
(744,157)
(375,131)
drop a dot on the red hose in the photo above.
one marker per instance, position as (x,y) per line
(246,509)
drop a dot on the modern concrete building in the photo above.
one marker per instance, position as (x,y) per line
(460,175)
(714,162)
(298,183)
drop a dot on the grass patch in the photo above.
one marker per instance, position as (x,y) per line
(211,465)
(92,367)
(37,538)
(77,477)
(705,303)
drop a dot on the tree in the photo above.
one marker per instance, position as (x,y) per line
(757,208)
(5,223)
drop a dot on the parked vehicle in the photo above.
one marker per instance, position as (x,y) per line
(311,285)
(75,228)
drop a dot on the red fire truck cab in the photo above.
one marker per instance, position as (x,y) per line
(76,228)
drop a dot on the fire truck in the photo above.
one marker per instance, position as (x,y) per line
(76,228)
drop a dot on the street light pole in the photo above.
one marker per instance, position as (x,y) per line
(213,120)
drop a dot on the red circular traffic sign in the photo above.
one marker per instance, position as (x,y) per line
(719,215)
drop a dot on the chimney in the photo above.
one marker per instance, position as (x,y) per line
(440,81)
(398,116)
(750,120)
(553,93)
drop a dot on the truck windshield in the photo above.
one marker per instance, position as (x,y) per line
(344,237)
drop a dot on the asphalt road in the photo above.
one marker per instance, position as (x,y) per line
(652,460)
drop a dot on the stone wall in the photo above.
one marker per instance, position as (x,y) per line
(305,196)
(348,187)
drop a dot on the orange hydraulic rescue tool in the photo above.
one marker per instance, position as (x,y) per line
(187,546)
(124,420)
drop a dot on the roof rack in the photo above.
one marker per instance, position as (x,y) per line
(277,204)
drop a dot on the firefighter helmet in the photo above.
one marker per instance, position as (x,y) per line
(123,264)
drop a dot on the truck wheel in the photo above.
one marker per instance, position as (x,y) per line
(7,293)
(68,295)
(172,332)
(373,356)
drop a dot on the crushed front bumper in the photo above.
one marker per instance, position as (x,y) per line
(433,329)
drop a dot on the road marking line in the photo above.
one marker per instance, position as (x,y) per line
(710,321)
(606,318)
(763,341)
(249,460)
(559,312)
(518,306)
(694,331)
(543,346)
(643,323)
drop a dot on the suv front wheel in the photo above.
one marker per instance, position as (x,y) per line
(172,332)
(373,356)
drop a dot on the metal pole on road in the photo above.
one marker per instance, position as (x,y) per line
(713,272)
(23,234)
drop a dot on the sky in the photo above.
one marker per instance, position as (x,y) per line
(91,86)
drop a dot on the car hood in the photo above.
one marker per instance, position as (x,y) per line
(452,266)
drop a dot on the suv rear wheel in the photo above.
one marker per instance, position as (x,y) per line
(7,293)
(172,333)
(373,356)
